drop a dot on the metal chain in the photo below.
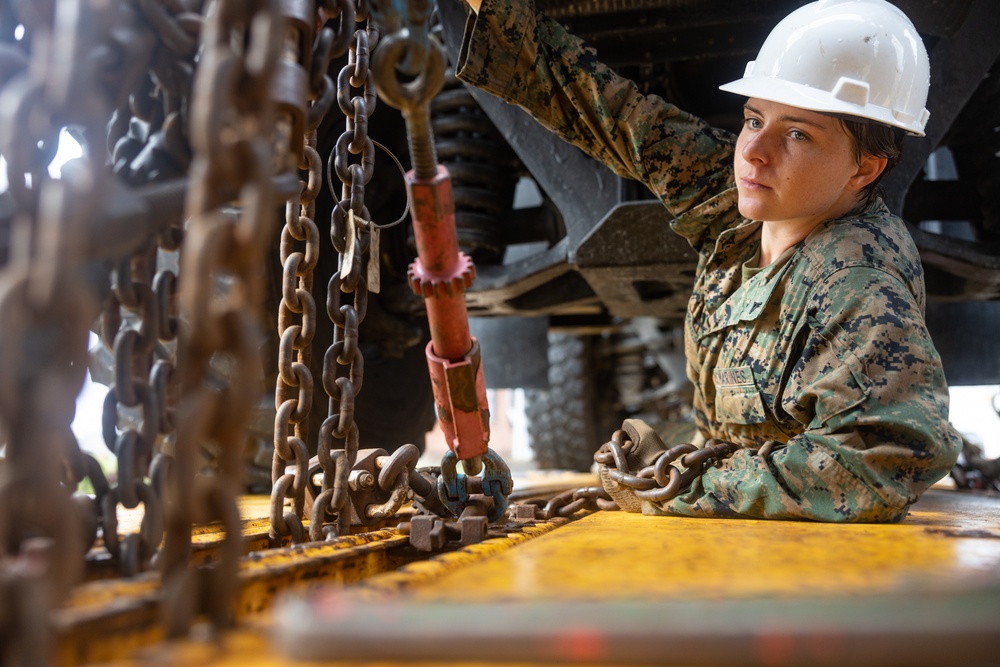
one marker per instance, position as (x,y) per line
(568,503)
(661,481)
(139,321)
(46,307)
(296,339)
(331,509)
(132,395)
(147,133)
(232,128)
(299,253)
(658,482)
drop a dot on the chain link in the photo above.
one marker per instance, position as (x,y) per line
(568,503)
(133,397)
(139,320)
(299,254)
(230,221)
(337,445)
(46,307)
(662,480)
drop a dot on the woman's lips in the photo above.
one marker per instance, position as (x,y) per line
(750,184)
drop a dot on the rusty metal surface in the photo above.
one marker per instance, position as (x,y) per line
(107,620)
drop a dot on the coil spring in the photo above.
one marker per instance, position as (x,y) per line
(484,170)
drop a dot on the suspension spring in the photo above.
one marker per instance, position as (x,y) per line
(484,170)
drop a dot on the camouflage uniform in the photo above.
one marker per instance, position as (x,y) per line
(825,351)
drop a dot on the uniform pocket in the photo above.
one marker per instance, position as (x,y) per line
(842,388)
(828,382)
(737,400)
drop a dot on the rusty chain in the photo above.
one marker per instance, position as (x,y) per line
(147,133)
(233,108)
(661,480)
(338,438)
(294,351)
(624,489)
(139,319)
(140,392)
(229,207)
(47,303)
(295,383)
(568,503)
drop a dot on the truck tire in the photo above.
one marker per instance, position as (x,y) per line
(571,419)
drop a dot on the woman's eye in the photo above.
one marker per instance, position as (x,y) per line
(799,136)
(752,123)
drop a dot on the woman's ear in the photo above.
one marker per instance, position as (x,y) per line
(869,168)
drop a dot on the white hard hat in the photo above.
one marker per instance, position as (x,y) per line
(856,57)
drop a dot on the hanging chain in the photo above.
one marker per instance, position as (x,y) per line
(293,396)
(351,240)
(139,320)
(46,307)
(146,135)
(132,392)
(230,221)
(295,339)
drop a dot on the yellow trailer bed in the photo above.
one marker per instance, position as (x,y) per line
(605,588)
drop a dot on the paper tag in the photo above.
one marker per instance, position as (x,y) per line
(374,260)
(351,241)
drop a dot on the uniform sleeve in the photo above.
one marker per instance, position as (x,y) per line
(870,390)
(529,60)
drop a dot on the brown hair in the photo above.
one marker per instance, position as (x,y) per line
(876,140)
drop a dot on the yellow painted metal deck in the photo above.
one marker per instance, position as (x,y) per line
(621,556)
(621,587)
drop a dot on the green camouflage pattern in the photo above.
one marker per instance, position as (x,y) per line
(824,352)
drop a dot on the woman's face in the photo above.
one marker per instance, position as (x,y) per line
(796,167)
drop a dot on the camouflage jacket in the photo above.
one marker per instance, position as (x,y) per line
(825,351)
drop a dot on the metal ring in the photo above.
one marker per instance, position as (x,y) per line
(413,94)
(401,459)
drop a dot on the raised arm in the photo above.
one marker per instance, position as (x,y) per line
(527,59)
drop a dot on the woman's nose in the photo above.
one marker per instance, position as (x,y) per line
(756,147)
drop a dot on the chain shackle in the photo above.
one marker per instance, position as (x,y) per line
(456,490)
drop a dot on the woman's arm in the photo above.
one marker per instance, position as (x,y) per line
(527,59)
(870,390)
